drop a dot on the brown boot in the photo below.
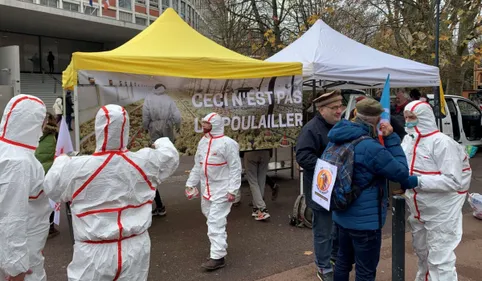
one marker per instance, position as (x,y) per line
(213,264)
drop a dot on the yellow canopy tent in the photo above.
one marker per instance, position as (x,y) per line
(170,47)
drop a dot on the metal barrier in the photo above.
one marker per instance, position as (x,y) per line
(398,238)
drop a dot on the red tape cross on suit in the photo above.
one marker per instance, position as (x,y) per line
(118,210)
(2,137)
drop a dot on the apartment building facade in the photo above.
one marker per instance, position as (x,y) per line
(49,31)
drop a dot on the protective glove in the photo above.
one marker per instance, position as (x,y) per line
(410,183)
(231,197)
(191,192)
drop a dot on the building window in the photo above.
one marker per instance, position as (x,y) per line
(154,4)
(188,17)
(125,4)
(123,16)
(71,7)
(183,9)
(49,3)
(175,5)
(152,21)
(88,10)
(141,2)
(141,21)
(165,4)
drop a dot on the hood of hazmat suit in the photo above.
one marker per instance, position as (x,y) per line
(24,207)
(444,174)
(111,193)
(160,115)
(217,164)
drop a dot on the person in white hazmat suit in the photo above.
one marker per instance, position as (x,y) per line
(435,191)
(111,193)
(217,167)
(24,207)
(160,115)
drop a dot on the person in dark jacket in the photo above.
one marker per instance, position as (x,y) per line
(69,109)
(311,143)
(45,154)
(360,225)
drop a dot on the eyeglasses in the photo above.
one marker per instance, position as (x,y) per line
(335,108)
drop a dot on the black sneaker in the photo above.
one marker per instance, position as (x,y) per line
(324,277)
(159,212)
(262,215)
(53,232)
(213,264)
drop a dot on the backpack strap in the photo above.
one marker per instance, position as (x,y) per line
(358,140)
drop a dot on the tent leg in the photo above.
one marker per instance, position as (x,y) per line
(314,95)
(76,119)
(292,163)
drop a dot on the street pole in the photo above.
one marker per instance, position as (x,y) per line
(398,238)
(436,90)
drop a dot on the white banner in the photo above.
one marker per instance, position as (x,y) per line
(257,113)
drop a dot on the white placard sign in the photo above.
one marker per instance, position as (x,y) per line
(323,182)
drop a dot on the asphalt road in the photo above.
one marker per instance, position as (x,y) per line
(256,249)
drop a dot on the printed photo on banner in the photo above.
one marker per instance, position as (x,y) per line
(323,181)
(257,113)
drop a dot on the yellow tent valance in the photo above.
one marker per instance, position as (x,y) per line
(170,47)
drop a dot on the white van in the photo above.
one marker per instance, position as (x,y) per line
(463,121)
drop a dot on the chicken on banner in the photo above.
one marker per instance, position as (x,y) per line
(64,145)
(385,101)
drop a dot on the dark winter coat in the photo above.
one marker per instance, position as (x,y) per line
(373,165)
(311,143)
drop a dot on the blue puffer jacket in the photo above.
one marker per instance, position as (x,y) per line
(373,165)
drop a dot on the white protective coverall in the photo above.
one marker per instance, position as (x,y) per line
(444,174)
(24,207)
(160,115)
(217,167)
(111,193)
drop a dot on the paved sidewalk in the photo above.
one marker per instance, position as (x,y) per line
(469,258)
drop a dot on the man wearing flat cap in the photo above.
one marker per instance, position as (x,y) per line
(359,226)
(310,145)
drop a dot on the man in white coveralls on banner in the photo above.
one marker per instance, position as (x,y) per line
(111,193)
(160,115)
(436,190)
(24,207)
(217,167)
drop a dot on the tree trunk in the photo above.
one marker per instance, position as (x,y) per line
(455,77)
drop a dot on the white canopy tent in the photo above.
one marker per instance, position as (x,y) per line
(336,61)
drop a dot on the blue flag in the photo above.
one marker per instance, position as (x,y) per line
(385,102)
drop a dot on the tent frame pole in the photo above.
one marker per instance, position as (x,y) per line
(76,118)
